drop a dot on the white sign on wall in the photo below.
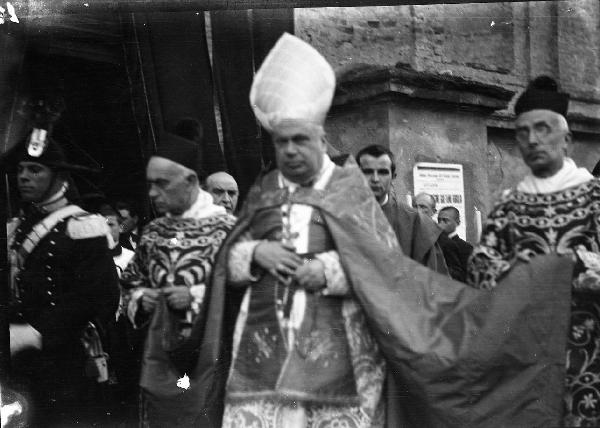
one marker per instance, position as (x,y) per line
(444,181)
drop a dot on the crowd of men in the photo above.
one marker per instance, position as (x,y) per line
(324,301)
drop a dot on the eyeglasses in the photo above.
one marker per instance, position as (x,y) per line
(541,131)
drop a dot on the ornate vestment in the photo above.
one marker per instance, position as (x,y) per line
(523,225)
(176,251)
(459,357)
(311,361)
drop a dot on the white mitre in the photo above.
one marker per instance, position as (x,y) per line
(293,83)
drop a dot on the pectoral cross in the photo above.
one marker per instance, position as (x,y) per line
(287,237)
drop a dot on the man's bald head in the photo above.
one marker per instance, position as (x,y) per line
(172,187)
(425,204)
(561,122)
(543,137)
(224,190)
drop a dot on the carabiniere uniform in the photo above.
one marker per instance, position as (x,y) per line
(62,277)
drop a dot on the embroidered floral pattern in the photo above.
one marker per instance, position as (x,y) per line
(263,342)
(273,414)
(349,398)
(317,346)
(176,251)
(367,361)
(523,225)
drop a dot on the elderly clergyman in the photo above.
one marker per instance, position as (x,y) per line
(554,209)
(224,190)
(333,309)
(169,289)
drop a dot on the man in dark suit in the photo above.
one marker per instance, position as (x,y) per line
(449,219)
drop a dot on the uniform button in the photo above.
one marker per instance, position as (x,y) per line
(48,267)
(49,293)
(52,304)
(49,278)
(52,242)
(50,254)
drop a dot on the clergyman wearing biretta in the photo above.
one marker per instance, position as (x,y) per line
(168,291)
(553,210)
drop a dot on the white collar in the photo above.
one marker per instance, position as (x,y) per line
(568,176)
(55,201)
(321,180)
(453,234)
(201,208)
(386,200)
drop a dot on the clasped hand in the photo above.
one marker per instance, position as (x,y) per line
(282,262)
(178,297)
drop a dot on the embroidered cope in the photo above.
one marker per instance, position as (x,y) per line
(564,222)
(173,251)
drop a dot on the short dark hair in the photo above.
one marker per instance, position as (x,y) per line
(454,211)
(126,205)
(377,150)
(107,210)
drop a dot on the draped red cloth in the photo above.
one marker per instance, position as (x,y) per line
(457,357)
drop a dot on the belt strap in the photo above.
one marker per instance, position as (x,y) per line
(40,230)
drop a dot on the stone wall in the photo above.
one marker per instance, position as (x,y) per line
(424,132)
(350,128)
(496,44)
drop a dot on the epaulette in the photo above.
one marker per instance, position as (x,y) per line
(85,225)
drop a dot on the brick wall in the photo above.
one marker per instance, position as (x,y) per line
(498,43)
